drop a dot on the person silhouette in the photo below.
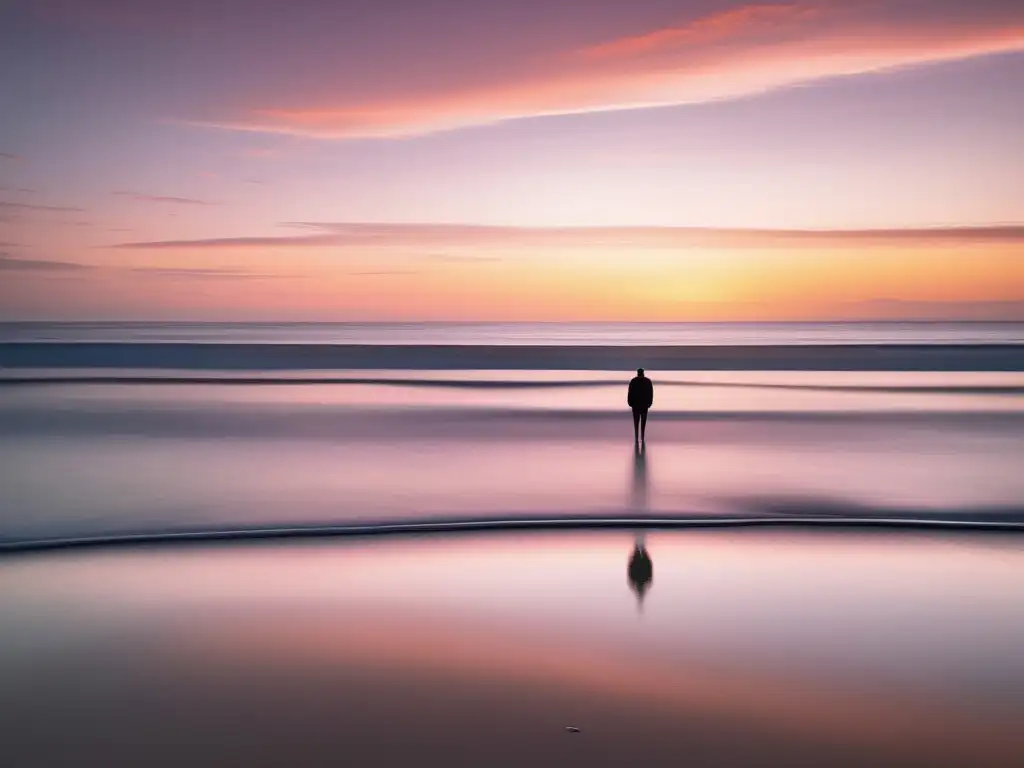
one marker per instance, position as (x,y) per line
(640,398)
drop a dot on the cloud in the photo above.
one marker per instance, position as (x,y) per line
(9,156)
(202,274)
(10,264)
(447,258)
(6,205)
(736,52)
(386,272)
(347,234)
(747,21)
(234,242)
(900,309)
(163,199)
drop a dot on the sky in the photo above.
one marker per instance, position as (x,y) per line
(408,160)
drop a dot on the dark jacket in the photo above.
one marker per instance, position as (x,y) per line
(641,393)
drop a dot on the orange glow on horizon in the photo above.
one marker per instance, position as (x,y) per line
(615,284)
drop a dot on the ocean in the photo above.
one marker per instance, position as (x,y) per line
(122,428)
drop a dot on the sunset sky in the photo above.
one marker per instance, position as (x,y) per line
(513,160)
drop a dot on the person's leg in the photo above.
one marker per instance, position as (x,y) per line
(636,425)
(643,425)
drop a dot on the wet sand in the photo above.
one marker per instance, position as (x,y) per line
(750,648)
(101,459)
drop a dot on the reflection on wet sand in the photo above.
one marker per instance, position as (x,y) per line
(641,570)
(318,652)
(640,498)
(148,458)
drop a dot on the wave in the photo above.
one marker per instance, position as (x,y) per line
(431,383)
(968,523)
(299,357)
(499,384)
(441,424)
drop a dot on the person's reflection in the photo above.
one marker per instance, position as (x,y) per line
(641,483)
(640,570)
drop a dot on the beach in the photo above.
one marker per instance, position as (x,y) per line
(751,647)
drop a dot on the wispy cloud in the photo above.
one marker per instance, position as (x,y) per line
(183,273)
(450,258)
(11,206)
(234,242)
(385,272)
(163,198)
(746,22)
(900,309)
(739,51)
(342,234)
(9,156)
(11,264)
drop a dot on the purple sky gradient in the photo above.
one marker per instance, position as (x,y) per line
(137,121)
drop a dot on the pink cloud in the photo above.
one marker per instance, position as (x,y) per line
(6,205)
(366,235)
(9,156)
(163,199)
(10,264)
(745,21)
(184,273)
(737,52)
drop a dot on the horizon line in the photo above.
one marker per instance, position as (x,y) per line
(823,321)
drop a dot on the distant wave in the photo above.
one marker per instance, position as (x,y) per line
(333,423)
(298,357)
(199,378)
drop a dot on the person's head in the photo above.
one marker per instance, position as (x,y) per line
(639,371)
